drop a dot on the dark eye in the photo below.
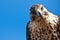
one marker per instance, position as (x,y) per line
(34,12)
(41,8)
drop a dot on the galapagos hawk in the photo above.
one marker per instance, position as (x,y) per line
(43,25)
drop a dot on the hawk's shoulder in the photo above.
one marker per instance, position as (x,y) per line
(27,27)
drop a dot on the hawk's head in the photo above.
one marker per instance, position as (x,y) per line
(39,12)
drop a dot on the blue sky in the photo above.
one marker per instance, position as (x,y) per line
(14,15)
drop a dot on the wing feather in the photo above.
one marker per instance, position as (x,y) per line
(58,28)
(28,37)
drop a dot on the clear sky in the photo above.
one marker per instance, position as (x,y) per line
(14,15)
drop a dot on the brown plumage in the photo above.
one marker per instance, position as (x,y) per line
(43,24)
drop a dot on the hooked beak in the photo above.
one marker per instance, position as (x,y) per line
(39,12)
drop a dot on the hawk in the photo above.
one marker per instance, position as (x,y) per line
(43,25)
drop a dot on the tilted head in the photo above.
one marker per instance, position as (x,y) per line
(37,11)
